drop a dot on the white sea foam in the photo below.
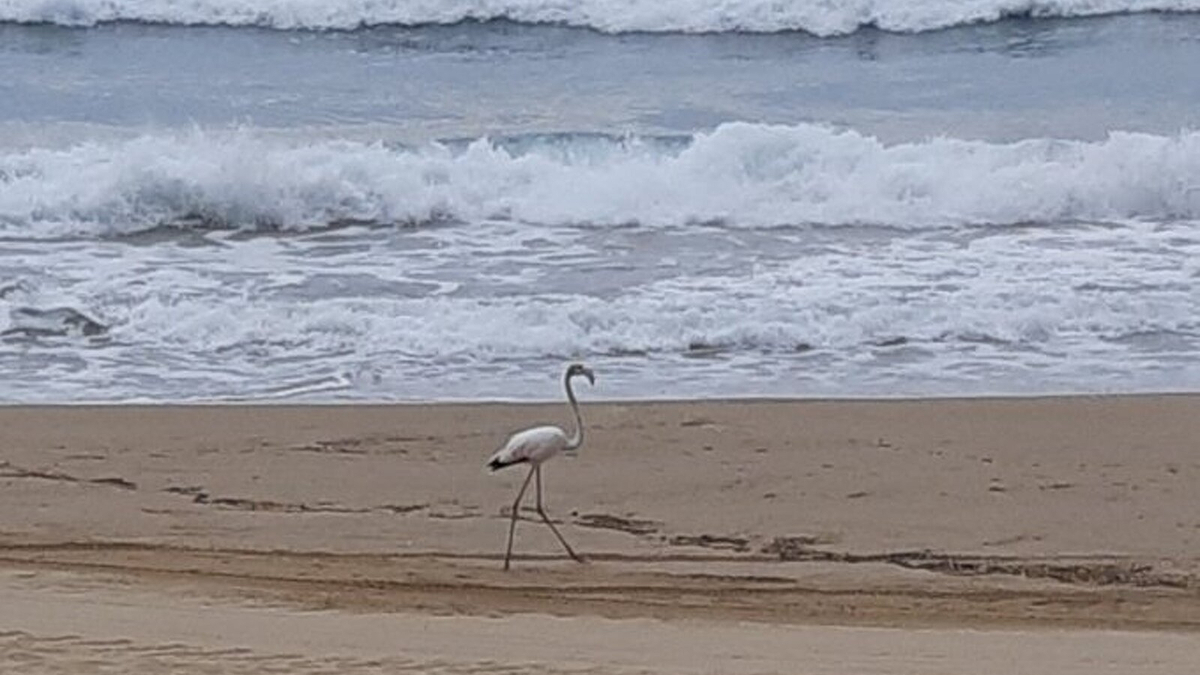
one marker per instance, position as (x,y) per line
(820,17)
(739,174)
(775,313)
(850,318)
(493,308)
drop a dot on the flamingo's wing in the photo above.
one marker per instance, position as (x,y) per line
(531,445)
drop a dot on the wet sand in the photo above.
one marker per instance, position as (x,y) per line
(1034,535)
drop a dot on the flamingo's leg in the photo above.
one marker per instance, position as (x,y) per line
(516,507)
(546,518)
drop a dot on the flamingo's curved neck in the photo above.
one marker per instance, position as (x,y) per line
(576,440)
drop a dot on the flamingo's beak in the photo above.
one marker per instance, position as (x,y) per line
(590,376)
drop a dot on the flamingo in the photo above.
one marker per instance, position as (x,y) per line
(536,445)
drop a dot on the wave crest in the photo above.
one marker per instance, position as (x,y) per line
(739,174)
(819,17)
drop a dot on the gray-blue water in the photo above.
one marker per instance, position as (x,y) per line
(1017,79)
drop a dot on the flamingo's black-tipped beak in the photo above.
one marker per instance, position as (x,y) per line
(590,376)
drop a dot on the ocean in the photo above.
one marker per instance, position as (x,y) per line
(389,200)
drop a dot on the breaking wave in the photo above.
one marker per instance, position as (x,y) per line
(819,17)
(739,175)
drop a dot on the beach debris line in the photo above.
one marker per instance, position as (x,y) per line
(9,470)
(739,544)
(1100,572)
(606,521)
(201,496)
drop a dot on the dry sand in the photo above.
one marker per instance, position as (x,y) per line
(1047,535)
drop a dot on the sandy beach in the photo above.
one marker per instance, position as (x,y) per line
(1031,535)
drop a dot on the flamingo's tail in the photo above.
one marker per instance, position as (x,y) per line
(501,460)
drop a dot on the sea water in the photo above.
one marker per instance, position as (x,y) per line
(389,200)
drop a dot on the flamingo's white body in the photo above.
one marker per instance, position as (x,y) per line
(536,445)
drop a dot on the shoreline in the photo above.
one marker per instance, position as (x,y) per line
(592,401)
(1045,516)
(599,400)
